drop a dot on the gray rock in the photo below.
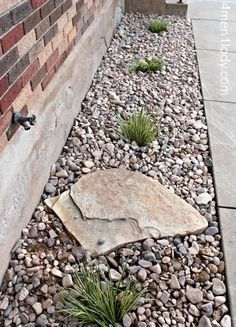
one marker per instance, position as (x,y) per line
(142,274)
(23,294)
(144,263)
(56,272)
(127,321)
(204,322)
(37,306)
(218,287)
(24,318)
(42,321)
(207,309)
(174,283)
(212,231)
(225,321)
(49,188)
(193,310)
(67,281)
(115,276)
(194,295)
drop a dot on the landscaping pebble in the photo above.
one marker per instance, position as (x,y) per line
(184,276)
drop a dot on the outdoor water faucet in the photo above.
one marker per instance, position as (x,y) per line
(24,120)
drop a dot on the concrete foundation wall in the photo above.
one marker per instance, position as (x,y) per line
(26,160)
(160,7)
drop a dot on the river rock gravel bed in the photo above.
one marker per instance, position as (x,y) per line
(184,276)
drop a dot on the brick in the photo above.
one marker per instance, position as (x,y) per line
(60,61)
(45,54)
(37,3)
(35,51)
(12,37)
(21,11)
(25,44)
(63,45)
(47,8)
(72,34)
(55,15)
(76,18)
(58,2)
(18,68)
(42,28)
(79,4)
(5,121)
(10,96)
(5,23)
(47,79)
(50,34)
(85,26)
(69,49)
(3,85)
(57,40)
(67,29)
(23,98)
(8,60)
(30,72)
(52,60)
(71,13)
(66,5)
(62,22)
(38,77)
(32,21)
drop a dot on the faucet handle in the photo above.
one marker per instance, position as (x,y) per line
(32,119)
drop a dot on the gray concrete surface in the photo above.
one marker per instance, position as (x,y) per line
(210,35)
(26,160)
(221,119)
(214,31)
(228,228)
(212,10)
(217,76)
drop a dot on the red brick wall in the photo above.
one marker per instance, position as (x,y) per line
(36,37)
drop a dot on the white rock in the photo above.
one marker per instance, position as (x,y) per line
(203,199)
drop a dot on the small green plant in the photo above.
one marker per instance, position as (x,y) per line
(91,303)
(150,65)
(140,128)
(157,26)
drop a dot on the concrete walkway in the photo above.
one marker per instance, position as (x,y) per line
(214,26)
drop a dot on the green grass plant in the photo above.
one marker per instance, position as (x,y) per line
(150,65)
(91,304)
(140,128)
(157,26)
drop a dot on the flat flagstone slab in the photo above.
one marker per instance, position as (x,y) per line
(228,230)
(211,75)
(221,119)
(107,209)
(209,35)
(211,10)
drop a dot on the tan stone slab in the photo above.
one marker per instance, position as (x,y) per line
(107,209)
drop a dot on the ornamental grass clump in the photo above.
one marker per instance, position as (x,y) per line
(140,128)
(146,66)
(157,26)
(91,303)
